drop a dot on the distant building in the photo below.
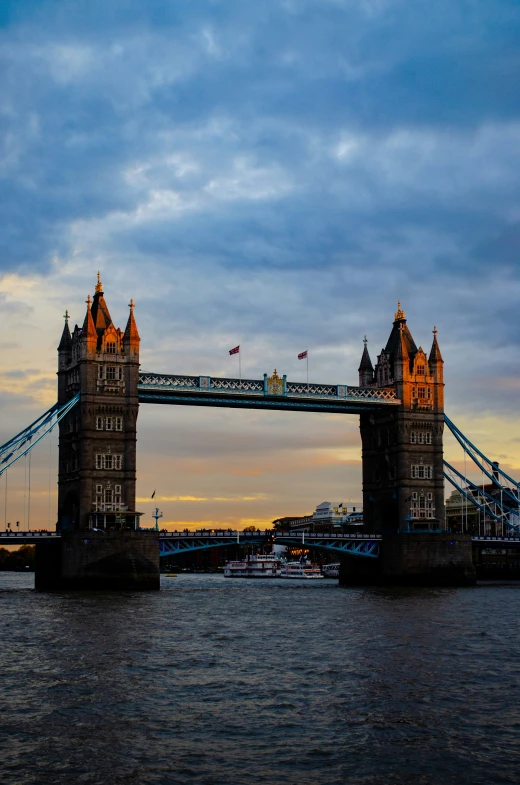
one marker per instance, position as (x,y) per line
(328,517)
(462,515)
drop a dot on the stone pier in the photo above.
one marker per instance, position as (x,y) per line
(127,560)
(414,560)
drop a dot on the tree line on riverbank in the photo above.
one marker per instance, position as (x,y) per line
(19,560)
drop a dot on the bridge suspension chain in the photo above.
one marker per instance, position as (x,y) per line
(504,510)
(39,428)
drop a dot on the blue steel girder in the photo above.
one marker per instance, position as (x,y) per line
(357,547)
(171,546)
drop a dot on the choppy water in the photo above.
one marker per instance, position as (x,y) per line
(228,682)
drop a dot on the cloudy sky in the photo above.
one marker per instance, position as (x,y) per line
(275,175)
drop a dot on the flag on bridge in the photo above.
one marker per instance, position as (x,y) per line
(302,355)
(235,350)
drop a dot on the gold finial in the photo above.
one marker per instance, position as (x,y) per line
(99,285)
(365,341)
(131,305)
(66,317)
(275,375)
(400,314)
(89,300)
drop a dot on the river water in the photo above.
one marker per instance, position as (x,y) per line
(228,682)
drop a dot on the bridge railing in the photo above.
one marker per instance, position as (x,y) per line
(257,387)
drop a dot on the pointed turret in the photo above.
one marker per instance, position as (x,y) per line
(435,353)
(89,333)
(100,313)
(131,336)
(402,355)
(366,370)
(65,344)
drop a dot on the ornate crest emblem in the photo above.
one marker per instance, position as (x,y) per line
(274,384)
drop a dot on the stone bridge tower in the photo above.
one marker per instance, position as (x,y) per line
(97,452)
(403,480)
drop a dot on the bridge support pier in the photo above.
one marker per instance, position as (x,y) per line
(125,560)
(414,560)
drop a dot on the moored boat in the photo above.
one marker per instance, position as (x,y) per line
(330,570)
(298,569)
(261,565)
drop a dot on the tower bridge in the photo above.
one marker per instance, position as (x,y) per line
(400,403)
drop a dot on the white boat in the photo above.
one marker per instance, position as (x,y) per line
(262,565)
(297,569)
(330,570)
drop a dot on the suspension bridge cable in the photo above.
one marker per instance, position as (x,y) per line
(49,495)
(29,496)
(473,451)
(60,414)
(456,431)
(5,504)
(24,489)
(45,417)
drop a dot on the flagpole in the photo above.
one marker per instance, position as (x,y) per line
(239,366)
(307,358)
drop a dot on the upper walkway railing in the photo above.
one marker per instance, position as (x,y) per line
(271,392)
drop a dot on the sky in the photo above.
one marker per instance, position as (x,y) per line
(275,175)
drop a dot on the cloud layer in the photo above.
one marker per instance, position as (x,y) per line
(275,176)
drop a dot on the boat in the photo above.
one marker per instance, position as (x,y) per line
(171,574)
(260,565)
(300,569)
(330,570)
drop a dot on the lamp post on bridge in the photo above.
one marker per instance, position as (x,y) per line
(157,515)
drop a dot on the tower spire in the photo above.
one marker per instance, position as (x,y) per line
(66,340)
(89,332)
(435,352)
(366,369)
(131,336)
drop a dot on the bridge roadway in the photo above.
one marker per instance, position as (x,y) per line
(270,393)
(173,543)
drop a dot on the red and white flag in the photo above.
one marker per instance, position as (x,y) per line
(235,350)
(302,355)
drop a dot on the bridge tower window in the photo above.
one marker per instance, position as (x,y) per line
(111,347)
(99,423)
(110,373)
(109,424)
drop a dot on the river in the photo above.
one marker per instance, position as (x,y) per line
(227,681)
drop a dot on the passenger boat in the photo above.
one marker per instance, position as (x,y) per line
(261,565)
(330,570)
(297,569)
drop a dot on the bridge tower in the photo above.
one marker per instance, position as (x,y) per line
(97,453)
(403,480)
(403,473)
(101,545)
